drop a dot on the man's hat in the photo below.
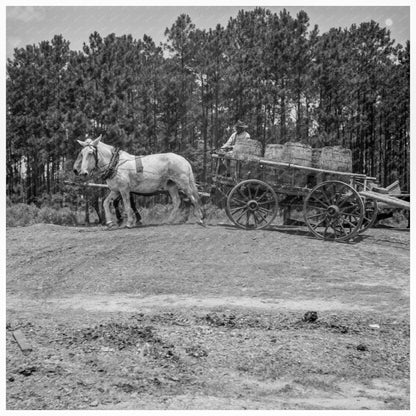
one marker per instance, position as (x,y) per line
(240,124)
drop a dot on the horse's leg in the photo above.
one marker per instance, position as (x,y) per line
(116,205)
(135,210)
(125,194)
(107,201)
(176,200)
(96,205)
(186,204)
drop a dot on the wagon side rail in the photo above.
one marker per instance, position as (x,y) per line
(358,181)
(317,170)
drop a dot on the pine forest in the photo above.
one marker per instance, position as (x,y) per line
(284,78)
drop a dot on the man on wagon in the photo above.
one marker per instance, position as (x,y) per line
(239,134)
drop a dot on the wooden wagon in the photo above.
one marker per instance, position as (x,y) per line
(335,205)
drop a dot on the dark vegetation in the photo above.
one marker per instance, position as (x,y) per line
(285,79)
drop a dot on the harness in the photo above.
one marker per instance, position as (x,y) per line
(111,168)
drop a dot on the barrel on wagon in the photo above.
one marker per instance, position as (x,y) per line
(334,158)
(247,149)
(295,153)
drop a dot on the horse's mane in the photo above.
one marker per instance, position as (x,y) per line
(112,148)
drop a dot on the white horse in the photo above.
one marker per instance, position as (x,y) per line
(159,172)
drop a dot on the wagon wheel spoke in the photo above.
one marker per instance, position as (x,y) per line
(248,218)
(343,202)
(268,202)
(256,193)
(240,192)
(353,224)
(318,224)
(324,194)
(238,201)
(338,231)
(256,218)
(346,200)
(319,200)
(351,214)
(241,215)
(370,214)
(311,217)
(263,195)
(235,210)
(262,216)
(265,211)
(341,227)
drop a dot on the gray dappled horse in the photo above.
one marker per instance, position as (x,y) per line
(159,172)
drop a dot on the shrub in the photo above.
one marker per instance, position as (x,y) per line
(21,215)
(157,214)
(62,216)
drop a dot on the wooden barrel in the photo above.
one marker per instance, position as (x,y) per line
(316,157)
(247,149)
(297,153)
(274,152)
(333,158)
(290,152)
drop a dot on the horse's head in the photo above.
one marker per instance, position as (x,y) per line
(87,159)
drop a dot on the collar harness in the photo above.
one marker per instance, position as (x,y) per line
(111,168)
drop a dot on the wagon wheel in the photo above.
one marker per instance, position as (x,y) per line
(370,214)
(252,204)
(333,210)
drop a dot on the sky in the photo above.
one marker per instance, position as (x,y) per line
(33,24)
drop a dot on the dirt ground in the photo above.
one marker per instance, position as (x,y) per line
(185,317)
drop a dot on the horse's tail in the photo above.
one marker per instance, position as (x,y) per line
(192,181)
(195,194)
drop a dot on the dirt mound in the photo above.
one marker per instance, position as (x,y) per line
(182,317)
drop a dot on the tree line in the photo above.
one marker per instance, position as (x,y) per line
(286,80)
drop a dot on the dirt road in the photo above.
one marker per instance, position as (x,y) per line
(184,317)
